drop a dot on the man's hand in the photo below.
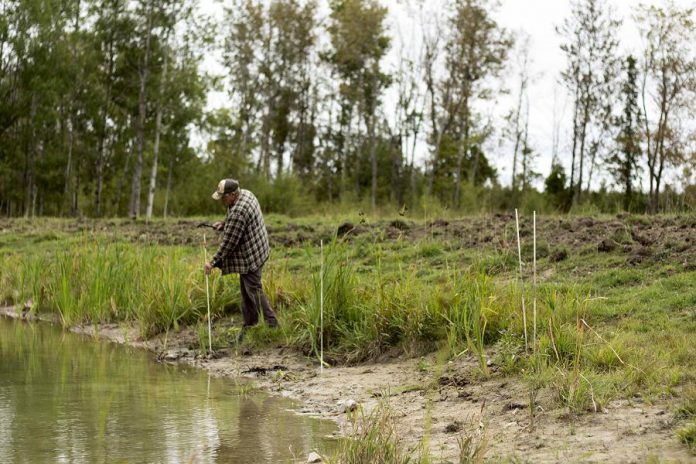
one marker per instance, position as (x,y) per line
(207,268)
(218,225)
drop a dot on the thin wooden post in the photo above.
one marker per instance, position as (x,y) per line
(519,255)
(534,287)
(321,307)
(207,296)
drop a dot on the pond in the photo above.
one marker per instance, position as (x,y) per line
(71,398)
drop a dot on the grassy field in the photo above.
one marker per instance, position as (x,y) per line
(615,299)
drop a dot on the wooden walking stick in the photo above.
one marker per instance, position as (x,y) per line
(207,295)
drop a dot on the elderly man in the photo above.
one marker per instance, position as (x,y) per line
(244,250)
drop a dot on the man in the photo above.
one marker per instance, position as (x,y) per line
(244,250)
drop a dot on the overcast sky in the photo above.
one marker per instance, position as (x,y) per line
(538,18)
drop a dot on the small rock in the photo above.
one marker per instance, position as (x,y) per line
(171,355)
(313,457)
(347,405)
(454,427)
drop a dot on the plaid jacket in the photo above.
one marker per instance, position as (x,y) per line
(244,246)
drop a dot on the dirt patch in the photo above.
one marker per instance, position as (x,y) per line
(674,237)
(456,403)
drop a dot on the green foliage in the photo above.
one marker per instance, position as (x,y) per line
(687,410)
(556,188)
(100,282)
(687,435)
(371,439)
(467,316)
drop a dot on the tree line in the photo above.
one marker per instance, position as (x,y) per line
(102,103)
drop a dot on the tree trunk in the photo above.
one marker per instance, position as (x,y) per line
(71,119)
(30,170)
(413,164)
(134,206)
(575,144)
(525,153)
(583,136)
(373,161)
(458,173)
(75,207)
(628,173)
(68,164)
(100,176)
(155,149)
(517,142)
(170,170)
(124,175)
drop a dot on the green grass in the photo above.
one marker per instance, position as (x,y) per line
(372,438)
(420,295)
(687,435)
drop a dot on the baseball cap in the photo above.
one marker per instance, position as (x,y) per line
(225,186)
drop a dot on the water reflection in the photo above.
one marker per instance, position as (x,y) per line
(67,399)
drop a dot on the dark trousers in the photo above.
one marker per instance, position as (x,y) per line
(253,299)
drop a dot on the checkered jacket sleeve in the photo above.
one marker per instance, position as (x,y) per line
(234,229)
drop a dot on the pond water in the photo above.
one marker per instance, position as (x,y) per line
(69,398)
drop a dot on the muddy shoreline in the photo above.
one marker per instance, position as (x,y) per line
(441,402)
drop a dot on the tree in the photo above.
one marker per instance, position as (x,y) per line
(623,163)
(358,44)
(590,75)
(243,37)
(667,87)
(112,30)
(409,114)
(268,52)
(476,51)
(556,186)
(515,117)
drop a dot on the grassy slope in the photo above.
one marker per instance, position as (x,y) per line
(616,323)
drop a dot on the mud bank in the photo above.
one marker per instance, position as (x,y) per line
(436,401)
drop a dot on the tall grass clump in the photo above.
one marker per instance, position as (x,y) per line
(370,439)
(342,315)
(365,314)
(467,316)
(22,280)
(100,281)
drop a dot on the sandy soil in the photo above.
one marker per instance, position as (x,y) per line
(449,398)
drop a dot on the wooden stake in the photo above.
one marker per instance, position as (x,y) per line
(321,307)
(534,289)
(519,255)
(207,295)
